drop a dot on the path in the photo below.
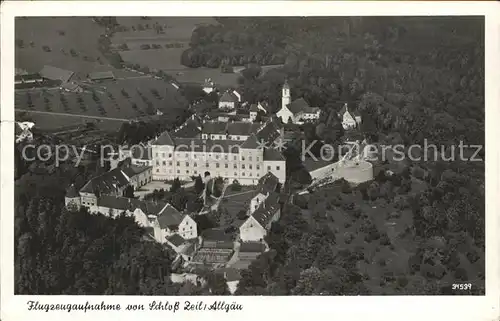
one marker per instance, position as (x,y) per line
(71,115)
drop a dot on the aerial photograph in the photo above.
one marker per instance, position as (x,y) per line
(257,156)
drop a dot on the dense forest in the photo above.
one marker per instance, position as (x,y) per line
(411,78)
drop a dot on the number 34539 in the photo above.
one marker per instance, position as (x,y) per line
(461,286)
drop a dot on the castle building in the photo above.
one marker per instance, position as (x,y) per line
(235,151)
(297,111)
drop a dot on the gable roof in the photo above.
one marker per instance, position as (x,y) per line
(71,192)
(101,75)
(242,128)
(133,170)
(130,204)
(107,183)
(216,234)
(254,108)
(352,111)
(170,217)
(268,183)
(164,140)
(252,247)
(270,131)
(231,274)
(228,97)
(54,73)
(301,105)
(214,127)
(264,213)
(251,143)
(176,240)
(141,152)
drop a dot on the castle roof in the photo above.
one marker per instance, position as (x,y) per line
(272,154)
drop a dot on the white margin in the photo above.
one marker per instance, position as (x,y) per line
(291,308)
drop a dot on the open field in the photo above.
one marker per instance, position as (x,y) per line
(80,34)
(109,102)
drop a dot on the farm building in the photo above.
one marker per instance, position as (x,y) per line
(101,75)
(55,73)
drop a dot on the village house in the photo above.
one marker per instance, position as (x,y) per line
(55,73)
(350,118)
(298,111)
(255,228)
(101,75)
(229,100)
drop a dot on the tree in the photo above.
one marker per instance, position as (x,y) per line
(176,185)
(198,184)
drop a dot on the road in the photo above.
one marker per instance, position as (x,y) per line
(71,115)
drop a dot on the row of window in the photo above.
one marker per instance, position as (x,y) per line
(188,172)
(224,137)
(217,165)
(210,155)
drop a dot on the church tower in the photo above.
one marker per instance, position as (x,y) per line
(285,95)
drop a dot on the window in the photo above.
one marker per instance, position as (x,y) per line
(164,163)
(277,168)
(207,164)
(178,163)
(250,166)
(268,168)
(235,174)
(170,155)
(242,166)
(242,158)
(195,172)
(157,170)
(225,157)
(216,156)
(157,163)
(217,165)
(163,155)
(178,171)
(226,165)
(187,155)
(170,163)
(187,164)
(194,156)
(257,158)
(187,171)
(195,165)
(235,166)
(235,158)
(243,174)
(156,154)
(258,166)
(250,158)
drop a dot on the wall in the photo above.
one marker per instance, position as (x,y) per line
(277,168)
(355,173)
(187,228)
